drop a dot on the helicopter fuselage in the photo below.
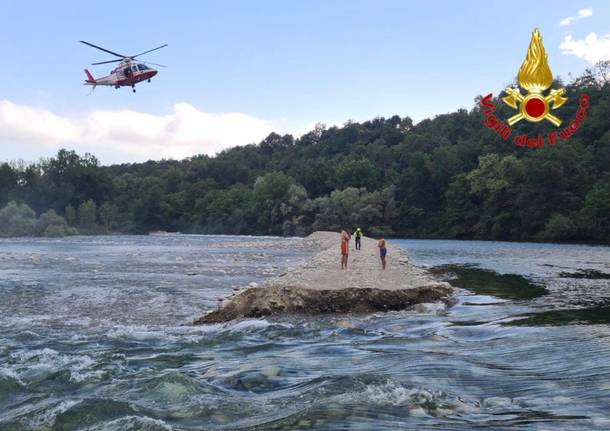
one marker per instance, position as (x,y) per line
(127,74)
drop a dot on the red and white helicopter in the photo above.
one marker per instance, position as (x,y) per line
(127,74)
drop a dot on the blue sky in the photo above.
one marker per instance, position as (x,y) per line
(256,66)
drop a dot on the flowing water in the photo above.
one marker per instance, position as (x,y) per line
(96,336)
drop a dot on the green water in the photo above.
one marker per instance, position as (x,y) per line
(583,316)
(488,282)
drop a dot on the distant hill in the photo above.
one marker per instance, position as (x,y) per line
(445,177)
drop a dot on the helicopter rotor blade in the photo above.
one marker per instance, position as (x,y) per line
(103,49)
(106,62)
(150,50)
(150,62)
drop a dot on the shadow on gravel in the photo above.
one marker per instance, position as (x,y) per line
(486,282)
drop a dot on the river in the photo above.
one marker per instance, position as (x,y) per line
(96,336)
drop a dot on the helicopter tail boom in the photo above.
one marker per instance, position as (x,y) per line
(90,79)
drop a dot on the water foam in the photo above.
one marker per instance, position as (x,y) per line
(37,363)
(132,423)
(46,418)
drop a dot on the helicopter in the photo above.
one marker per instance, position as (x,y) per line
(127,74)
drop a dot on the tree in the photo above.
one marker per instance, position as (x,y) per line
(50,224)
(69,179)
(356,173)
(147,205)
(270,192)
(495,184)
(559,228)
(351,208)
(108,216)
(461,212)
(595,214)
(17,220)
(87,216)
(8,182)
(296,212)
(71,217)
(227,211)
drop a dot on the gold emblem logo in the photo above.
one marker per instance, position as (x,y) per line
(535,77)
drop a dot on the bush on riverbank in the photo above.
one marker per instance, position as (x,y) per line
(20,220)
(17,220)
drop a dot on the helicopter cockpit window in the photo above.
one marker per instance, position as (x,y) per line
(142,67)
(134,68)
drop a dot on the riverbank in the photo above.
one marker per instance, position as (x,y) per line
(319,285)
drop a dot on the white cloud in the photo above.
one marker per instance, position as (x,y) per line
(125,136)
(592,48)
(583,13)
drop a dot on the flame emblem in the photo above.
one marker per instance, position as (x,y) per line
(535,77)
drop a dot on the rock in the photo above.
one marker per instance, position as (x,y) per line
(270,300)
(271,372)
(345,324)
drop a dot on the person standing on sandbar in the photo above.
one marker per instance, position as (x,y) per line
(344,248)
(382,251)
(358,237)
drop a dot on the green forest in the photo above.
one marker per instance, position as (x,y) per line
(445,177)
